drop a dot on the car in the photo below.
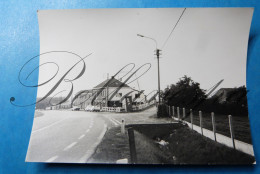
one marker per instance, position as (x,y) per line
(88,108)
(97,108)
(75,109)
(91,108)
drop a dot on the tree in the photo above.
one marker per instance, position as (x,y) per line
(185,93)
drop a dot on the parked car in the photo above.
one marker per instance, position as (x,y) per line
(75,109)
(97,108)
(88,107)
(91,108)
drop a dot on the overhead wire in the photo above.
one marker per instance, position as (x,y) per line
(173,28)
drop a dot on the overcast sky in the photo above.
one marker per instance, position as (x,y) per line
(209,44)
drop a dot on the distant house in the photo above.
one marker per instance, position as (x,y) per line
(231,95)
(110,93)
(222,94)
(52,103)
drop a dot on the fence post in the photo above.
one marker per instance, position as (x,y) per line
(173,112)
(213,125)
(169,110)
(178,113)
(132,145)
(201,123)
(231,130)
(191,119)
(183,113)
(123,126)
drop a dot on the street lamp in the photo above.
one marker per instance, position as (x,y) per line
(157,53)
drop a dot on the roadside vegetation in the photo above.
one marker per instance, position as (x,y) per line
(227,101)
(187,93)
(241,125)
(181,146)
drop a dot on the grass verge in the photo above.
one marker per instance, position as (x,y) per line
(184,147)
(241,125)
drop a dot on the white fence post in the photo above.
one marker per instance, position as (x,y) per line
(201,123)
(173,112)
(191,119)
(183,113)
(123,126)
(213,125)
(231,130)
(169,110)
(178,113)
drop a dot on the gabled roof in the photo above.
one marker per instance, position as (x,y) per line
(112,82)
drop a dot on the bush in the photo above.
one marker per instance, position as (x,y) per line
(162,111)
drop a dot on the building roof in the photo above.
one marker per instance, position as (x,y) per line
(113,83)
(224,93)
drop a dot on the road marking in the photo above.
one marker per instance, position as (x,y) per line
(115,123)
(51,159)
(87,130)
(89,152)
(70,146)
(48,126)
(116,120)
(81,136)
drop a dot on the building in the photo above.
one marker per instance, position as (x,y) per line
(110,93)
(232,95)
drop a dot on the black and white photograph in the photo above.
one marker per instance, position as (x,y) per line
(141,86)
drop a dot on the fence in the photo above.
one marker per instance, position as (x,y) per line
(140,107)
(111,109)
(212,134)
(144,106)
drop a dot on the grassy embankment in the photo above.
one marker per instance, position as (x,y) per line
(185,147)
(241,125)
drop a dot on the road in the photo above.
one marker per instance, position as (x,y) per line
(72,136)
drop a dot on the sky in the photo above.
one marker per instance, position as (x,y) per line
(208,44)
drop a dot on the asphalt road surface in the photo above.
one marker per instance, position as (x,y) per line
(72,136)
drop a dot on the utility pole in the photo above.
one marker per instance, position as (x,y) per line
(158,63)
(157,53)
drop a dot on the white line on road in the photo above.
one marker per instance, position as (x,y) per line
(81,136)
(48,126)
(51,159)
(87,130)
(70,146)
(116,120)
(88,154)
(91,123)
(115,123)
